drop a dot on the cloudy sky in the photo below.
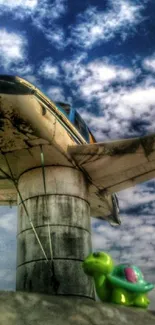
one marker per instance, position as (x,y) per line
(100,57)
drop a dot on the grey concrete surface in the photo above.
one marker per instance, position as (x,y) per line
(22,308)
(68,212)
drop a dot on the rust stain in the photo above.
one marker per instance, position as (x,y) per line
(20,124)
(122,149)
(14,130)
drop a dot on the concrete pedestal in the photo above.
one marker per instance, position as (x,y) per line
(69,215)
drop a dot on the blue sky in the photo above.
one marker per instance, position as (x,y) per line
(100,57)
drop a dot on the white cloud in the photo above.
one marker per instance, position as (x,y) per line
(14,56)
(40,11)
(23,69)
(95,75)
(118,105)
(119,109)
(95,26)
(126,74)
(138,195)
(140,97)
(13,48)
(43,15)
(8,222)
(111,89)
(149,63)
(133,242)
(8,230)
(99,75)
(56,36)
(7,277)
(48,70)
(56,94)
(11,4)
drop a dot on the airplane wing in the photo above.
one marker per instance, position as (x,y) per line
(114,166)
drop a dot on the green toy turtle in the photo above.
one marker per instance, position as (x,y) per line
(121,284)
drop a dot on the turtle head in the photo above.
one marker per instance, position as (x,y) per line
(98,262)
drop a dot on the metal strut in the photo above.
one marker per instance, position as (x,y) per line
(55,282)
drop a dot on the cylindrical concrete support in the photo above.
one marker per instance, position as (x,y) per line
(69,217)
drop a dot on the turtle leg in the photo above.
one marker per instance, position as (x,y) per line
(121,297)
(141,301)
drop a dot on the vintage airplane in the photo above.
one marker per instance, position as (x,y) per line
(29,119)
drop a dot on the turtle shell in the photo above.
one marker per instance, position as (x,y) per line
(129,277)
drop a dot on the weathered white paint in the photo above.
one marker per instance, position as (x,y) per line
(109,167)
(116,165)
(22,129)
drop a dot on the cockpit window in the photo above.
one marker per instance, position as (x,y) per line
(77,120)
(65,107)
(81,126)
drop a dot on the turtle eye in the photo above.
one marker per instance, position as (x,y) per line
(97,254)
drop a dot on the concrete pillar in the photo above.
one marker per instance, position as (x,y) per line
(69,215)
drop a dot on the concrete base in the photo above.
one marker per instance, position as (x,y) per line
(21,308)
(68,212)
